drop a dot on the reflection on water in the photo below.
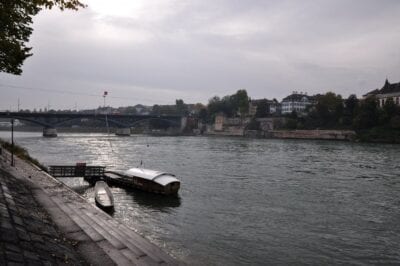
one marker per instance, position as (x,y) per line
(250,201)
(154,201)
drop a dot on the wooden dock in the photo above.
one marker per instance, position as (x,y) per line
(78,170)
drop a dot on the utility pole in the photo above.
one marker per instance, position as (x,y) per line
(12,142)
(104,107)
(18,105)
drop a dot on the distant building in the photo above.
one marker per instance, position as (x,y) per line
(230,125)
(296,102)
(142,109)
(272,107)
(386,92)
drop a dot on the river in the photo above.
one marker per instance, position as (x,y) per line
(250,201)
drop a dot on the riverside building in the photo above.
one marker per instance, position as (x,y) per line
(388,91)
(296,102)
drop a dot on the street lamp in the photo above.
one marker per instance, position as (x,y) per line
(12,142)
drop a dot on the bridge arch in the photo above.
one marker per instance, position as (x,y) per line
(96,118)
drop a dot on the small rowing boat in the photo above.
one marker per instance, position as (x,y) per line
(103,195)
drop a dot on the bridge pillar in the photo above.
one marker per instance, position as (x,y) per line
(123,131)
(50,132)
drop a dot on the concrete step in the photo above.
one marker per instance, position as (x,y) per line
(93,234)
(100,239)
(134,253)
(100,222)
(81,211)
(141,247)
(119,242)
(96,218)
(145,245)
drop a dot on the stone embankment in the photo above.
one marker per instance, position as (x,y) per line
(312,134)
(289,134)
(43,222)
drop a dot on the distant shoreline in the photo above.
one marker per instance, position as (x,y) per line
(336,135)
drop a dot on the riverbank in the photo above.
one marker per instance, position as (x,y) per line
(347,135)
(61,227)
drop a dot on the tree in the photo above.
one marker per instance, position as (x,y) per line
(240,101)
(350,108)
(262,108)
(368,114)
(327,112)
(181,107)
(15,24)
(203,115)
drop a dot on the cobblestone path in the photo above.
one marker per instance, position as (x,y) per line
(27,234)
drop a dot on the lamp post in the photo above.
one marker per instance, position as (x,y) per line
(12,142)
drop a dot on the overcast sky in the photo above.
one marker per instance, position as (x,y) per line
(156,51)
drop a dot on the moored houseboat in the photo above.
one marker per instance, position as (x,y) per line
(145,179)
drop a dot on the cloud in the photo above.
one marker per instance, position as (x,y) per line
(158,51)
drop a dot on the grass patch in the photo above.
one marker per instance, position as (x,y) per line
(21,153)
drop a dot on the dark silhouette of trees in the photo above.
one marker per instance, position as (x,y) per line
(367,115)
(181,107)
(230,105)
(370,121)
(326,113)
(262,108)
(350,107)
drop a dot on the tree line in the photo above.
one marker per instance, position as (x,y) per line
(370,121)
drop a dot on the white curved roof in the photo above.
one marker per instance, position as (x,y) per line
(161,178)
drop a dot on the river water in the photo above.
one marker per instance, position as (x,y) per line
(250,201)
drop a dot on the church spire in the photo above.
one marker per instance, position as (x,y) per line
(387,84)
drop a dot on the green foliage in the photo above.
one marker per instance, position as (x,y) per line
(15,24)
(181,107)
(395,122)
(326,113)
(262,107)
(230,105)
(350,107)
(379,134)
(291,120)
(164,110)
(240,100)
(367,115)
(203,114)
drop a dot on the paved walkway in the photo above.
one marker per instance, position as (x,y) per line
(43,222)
(27,235)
